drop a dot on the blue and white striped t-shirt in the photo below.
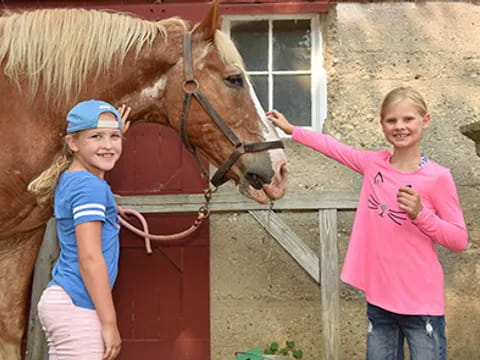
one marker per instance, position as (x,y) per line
(80,197)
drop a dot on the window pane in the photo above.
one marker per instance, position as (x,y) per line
(291,95)
(291,45)
(251,39)
(260,85)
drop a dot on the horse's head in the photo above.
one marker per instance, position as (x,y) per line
(225,96)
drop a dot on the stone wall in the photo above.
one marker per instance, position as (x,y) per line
(259,294)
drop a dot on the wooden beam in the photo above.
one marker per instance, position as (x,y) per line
(329,284)
(37,348)
(294,245)
(192,11)
(232,201)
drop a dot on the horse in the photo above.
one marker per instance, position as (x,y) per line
(48,63)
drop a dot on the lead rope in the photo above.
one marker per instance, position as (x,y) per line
(202,213)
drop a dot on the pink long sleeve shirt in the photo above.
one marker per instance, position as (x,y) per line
(391,258)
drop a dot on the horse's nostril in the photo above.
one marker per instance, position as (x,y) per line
(283,170)
(255,180)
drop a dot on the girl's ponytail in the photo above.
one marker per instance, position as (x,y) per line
(43,187)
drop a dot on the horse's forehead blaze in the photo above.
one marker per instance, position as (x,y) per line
(268,132)
(251,118)
(254,120)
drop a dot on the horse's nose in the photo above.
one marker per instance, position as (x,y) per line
(258,177)
(267,171)
(275,189)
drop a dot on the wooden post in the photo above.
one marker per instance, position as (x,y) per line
(36,344)
(329,284)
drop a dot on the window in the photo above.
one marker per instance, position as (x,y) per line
(283,57)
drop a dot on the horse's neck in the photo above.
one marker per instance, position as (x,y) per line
(143,80)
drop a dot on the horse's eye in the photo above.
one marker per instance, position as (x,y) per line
(234,81)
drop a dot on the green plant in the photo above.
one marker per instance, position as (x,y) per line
(288,350)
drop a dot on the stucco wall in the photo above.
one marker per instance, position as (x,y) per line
(259,294)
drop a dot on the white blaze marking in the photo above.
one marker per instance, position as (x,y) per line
(155,90)
(268,131)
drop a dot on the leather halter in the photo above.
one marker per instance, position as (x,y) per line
(191,88)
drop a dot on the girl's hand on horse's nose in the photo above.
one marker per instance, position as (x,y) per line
(124,112)
(278,119)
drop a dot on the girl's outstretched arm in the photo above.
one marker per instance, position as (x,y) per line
(354,159)
(95,276)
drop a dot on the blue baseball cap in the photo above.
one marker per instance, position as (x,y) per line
(85,115)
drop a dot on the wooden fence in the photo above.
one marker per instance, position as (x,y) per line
(323,269)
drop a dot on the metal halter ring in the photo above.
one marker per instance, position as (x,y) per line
(186,83)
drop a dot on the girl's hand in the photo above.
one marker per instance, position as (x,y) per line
(124,112)
(112,340)
(277,118)
(409,201)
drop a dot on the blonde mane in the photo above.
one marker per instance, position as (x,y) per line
(69,44)
(227,51)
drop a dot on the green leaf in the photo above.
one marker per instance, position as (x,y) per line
(283,351)
(290,344)
(268,352)
(297,354)
(274,346)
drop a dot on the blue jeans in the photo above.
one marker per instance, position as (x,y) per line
(387,331)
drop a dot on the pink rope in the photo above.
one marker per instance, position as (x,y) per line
(172,238)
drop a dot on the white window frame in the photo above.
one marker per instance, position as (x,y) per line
(317,70)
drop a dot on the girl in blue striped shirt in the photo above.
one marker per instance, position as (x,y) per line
(76,309)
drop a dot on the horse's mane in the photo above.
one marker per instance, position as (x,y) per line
(227,51)
(57,48)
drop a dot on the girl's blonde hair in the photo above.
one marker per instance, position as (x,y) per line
(404,93)
(43,187)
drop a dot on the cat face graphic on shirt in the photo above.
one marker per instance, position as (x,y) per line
(382,209)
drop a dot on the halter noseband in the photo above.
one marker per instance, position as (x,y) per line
(191,87)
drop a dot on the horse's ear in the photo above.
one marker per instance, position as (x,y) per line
(211,23)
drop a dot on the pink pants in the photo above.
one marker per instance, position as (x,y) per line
(72,332)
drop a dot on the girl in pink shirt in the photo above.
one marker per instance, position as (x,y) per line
(407,205)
